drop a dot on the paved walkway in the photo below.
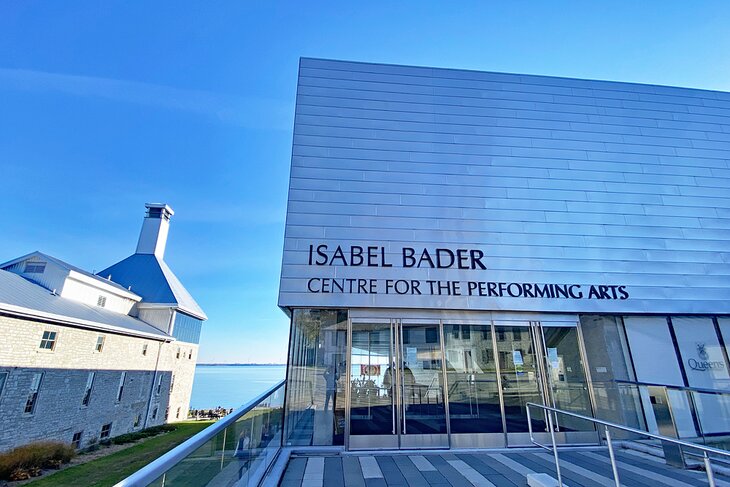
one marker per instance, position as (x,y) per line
(484,469)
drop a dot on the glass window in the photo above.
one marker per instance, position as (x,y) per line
(186,328)
(32,399)
(154,412)
(99,343)
(101,301)
(144,349)
(106,431)
(471,377)
(48,341)
(3,380)
(172,382)
(87,391)
(76,440)
(159,383)
(177,413)
(32,267)
(137,420)
(177,355)
(316,374)
(703,359)
(120,389)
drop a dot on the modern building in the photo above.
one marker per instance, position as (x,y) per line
(460,243)
(85,357)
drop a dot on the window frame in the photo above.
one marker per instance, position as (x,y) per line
(49,337)
(33,392)
(4,375)
(33,266)
(86,399)
(104,435)
(120,389)
(100,342)
(76,439)
(101,301)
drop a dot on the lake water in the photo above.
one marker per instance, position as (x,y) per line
(230,386)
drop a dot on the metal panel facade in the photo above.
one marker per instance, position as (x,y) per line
(622,190)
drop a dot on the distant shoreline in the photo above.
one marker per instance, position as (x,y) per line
(240,365)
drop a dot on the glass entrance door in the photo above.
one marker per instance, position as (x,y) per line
(435,385)
(396,397)
(542,363)
(565,384)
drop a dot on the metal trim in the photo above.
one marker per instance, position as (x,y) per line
(348,392)
(445,390)
(499,380)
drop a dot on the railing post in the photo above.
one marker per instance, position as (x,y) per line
(555,448)
(529,422)
(614,466)
(708,470)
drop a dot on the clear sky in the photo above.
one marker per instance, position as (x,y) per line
(107,105)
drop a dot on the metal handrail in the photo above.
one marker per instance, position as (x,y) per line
(155,469)
(607,424)
(669,386)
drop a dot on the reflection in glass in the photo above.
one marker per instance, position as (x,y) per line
(371,386)
(566,377)
(471,375)
(239,455)
(518,370)
(315,402)
(422,380)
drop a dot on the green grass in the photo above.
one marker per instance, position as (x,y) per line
(107,471)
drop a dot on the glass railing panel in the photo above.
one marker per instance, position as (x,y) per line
(238,455)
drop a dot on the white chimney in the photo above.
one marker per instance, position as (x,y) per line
(156,224)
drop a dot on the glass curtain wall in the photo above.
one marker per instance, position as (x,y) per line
(316,374)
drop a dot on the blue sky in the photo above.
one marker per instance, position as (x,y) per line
(107,105)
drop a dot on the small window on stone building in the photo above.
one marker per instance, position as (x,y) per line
(177,414)
(87,392)
(48,341)
(137,420)
(106,431)
(101,301)
(3,380)
(167,412)
(172,383)
(154,413)
(120,390)
(99,343)
(190,354)
(144,349)
(159,384)
(35,386)
(178,353)
(76,441)
(35,267)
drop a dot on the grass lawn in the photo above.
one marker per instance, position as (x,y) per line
(109,470)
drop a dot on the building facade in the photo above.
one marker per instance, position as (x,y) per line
(461,243)
(86,357)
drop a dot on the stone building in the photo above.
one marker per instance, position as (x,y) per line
(85,357)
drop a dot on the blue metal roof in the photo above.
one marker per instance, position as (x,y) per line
(21,297)
(151,278)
